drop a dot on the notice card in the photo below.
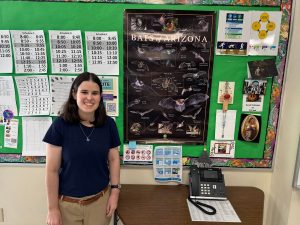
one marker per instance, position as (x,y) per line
(5,52)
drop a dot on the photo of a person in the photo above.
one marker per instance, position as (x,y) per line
(250,128)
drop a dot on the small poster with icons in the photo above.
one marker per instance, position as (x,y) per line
(141,154)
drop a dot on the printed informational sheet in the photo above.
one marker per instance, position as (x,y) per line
(34,95)
(102,52)
(34,130)
(167,163)
(59,89)
(66,52)
(225,124)
(225,212)
(226,87)
(11,134)
(233,33)
(168,57)
(264,33)
(29,51)
(222,149)
(7,96)
(110,86)
(253,103)
(5,52)
(141,154)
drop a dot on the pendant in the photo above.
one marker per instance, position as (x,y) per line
(87,139)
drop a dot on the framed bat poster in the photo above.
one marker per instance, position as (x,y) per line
(168,67)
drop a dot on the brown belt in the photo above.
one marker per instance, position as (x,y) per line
(81,201)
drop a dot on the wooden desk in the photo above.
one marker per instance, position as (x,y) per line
(166,205)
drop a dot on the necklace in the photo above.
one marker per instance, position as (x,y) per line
(87,136)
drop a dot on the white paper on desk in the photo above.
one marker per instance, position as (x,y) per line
(34,130)
(225,212)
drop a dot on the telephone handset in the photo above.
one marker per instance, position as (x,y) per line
(206,184)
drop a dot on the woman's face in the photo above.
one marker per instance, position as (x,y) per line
(88,98)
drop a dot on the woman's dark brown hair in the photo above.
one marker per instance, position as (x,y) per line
(70,109)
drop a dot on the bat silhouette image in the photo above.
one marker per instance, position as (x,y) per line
(181,104)
(141,113)
(193,116)
(198,56)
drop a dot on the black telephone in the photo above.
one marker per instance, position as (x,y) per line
(206,184)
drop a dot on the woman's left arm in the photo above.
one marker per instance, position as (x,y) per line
(114,170)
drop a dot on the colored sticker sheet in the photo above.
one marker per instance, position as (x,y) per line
(66,52)
(233,33)
(59,88)
(5,52)
(32,140)
(34,95)
(110,86)
(167,163)
(264,33)
(29,51)
(102,52)
(7,96)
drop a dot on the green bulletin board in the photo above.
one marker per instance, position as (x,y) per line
(31,15)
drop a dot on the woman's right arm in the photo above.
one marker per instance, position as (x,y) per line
(53,161)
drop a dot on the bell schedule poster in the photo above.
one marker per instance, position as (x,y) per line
(168,58)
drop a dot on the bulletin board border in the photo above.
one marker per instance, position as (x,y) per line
(183,2)
(266,161)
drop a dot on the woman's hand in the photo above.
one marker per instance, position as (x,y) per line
(54,217)
(112,202)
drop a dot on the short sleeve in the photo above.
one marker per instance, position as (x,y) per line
(54,135)
(114,134)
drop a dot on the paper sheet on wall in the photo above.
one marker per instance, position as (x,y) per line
(141,154)
(167,163)
(5,52)
(7,95)
(102,52)
(59,89)
(66,52)
(34,130)
(34,95)
(225,212)
(225,125)
(110,86)
(11,134)
(233,33)
(29,51)
(264,34)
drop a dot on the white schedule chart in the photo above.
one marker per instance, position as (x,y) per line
(29,51)
(66,52)
(102,52)
(5,52)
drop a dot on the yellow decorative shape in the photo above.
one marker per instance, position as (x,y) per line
(256,26)
(262,34)
(264,17)
(271,26)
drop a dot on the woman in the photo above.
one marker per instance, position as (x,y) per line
(82,158)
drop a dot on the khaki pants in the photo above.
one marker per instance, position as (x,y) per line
(92,214)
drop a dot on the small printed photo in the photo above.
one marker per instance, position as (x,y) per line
(165,128)
(257,87)
(160,161)
(168,170)
(176,161)
(168,161)
(262,69)
(159,171)
(175,170)
(250,128)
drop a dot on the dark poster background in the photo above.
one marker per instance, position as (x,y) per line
(168,66)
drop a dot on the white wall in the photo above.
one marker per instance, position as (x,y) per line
(22,190)
(284,202)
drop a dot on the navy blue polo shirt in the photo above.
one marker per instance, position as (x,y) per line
(84,166)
